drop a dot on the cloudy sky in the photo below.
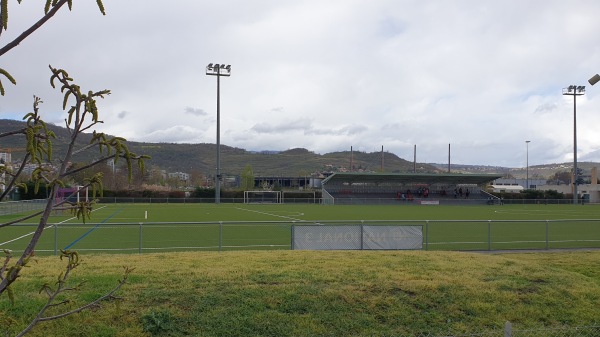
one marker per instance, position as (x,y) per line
(484,76)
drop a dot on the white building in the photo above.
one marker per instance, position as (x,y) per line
(533,183)
(506,188)
(5,158)
(180,175)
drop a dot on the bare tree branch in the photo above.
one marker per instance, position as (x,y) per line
(73,262)
(12,222)
(13,180)
(33,28)
(12,133)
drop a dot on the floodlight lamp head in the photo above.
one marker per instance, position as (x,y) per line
(217,69)
(568,90)
(581,89)
(595,79)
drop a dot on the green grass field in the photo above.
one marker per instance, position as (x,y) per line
(175,227)
(316,293)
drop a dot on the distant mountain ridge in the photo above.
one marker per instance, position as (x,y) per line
(293,162)
(189,157)
(543,171)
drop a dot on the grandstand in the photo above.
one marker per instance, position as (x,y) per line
(407,188)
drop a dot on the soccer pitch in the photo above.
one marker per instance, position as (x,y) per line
(134,228)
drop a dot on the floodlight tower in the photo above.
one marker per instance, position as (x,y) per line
(527,169)
(574,90)
(218,70)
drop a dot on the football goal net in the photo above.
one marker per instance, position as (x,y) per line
(263,197)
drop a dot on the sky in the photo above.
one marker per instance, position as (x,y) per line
(483,76)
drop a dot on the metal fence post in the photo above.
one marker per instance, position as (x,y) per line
(362,222)
(547,233)
(489,234)
(220,235)
(56,239)
(141,238)
(293,235)
(426,234)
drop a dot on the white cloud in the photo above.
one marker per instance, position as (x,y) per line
(283,127)
(482,76)
(173,134)
(195,112)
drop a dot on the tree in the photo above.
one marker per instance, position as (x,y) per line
(197,178)
(173,182)
(82,114)
(579,177)
(51,8)
(247,178)
(156,176)
(563,177)
(81,174)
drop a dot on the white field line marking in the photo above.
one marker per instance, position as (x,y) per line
(511,242)
(271,214)
(537,212)
(50,226)
(167,248)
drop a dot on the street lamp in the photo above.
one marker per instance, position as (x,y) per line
(218,70)
(527,170)
(575,90)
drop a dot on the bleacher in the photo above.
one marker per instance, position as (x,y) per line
(476,196)
(405,188)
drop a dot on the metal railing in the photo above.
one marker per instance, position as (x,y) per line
(22,206)
(453,235)
(12,207)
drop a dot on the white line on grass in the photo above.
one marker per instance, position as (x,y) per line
(169,248)
(510,242)
(50,226)
(270,214)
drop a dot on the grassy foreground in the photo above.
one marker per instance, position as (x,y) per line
(317,293)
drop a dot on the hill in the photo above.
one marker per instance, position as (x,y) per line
(187,157)
(543,171)
(293,162)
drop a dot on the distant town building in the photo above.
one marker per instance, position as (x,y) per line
(533,183)
(588,192)
(5,158)
(180,175)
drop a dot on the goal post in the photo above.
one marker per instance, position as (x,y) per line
(82,193)
(263,197)
(72,194)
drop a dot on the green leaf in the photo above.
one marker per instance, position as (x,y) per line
(101,7)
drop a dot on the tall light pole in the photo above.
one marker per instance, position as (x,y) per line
(218,70)
(527,169)
(574,90)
